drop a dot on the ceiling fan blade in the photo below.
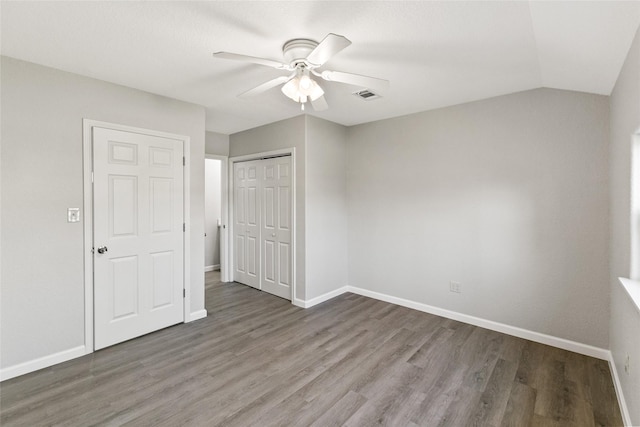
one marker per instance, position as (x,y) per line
(252,59)
(329,46)
(266,86)
(355,79)
(320,104)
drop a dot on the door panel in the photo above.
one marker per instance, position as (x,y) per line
(162,276)
(284,217)
(269,206)
(239,208)
(269,260)
(284,268)
(161,204)
(246,220)
(252,205)
(138,217)
(123,197)
(276,232)
(124,282)
(252,259)
(240,256)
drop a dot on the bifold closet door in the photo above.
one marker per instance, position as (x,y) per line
(276,226)
(246,227)
(263,225)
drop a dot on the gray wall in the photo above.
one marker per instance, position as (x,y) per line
(216,143)
(625,319)
(42,307)
(321,251)
(507,196)
(326,207)
(283,134)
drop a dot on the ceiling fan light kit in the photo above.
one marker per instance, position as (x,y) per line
(303,57)
(302,88)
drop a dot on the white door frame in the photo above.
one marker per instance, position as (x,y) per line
(224,200)
(87,164)
(258,156)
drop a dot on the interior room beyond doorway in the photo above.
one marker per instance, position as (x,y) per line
(213,214)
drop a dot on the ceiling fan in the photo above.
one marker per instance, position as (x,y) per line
(303,58)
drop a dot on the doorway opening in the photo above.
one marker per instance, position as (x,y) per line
(215,216)
(212,214)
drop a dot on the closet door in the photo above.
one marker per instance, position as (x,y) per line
(276,224)
(246,227)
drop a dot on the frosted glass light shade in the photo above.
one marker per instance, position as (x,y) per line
(290,89)
(315,91)
(300,89)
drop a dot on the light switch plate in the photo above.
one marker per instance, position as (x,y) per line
(73,215)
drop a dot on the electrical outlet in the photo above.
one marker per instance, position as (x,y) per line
(455,287)
(626,365)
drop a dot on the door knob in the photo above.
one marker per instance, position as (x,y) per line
(102,249)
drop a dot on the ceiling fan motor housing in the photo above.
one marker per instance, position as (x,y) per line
(295,51)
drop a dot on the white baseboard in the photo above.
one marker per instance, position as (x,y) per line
(600,353)
(212,268)
(320,299)
(624,409)
(41,363)
(197,315)
(299,303)
(576,347)
(63,356)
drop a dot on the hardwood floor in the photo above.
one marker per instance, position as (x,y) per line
(353,361)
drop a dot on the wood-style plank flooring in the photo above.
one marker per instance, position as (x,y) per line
(354,361)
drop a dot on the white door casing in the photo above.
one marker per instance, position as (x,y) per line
(275,191)
(138,216)
(246,229)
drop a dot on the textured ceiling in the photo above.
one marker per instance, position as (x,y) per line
(435,54)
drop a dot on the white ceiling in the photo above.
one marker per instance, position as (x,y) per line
(435,54)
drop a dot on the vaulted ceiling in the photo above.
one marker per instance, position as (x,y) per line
(434,54)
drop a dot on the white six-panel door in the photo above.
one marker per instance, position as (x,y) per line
(246,230)
(276,226)
(263,225)
(138,234)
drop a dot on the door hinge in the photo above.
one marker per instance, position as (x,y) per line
(184,161)
(184,227)
(184,293)
(91,177)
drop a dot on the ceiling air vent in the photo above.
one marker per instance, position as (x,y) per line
(366,94)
